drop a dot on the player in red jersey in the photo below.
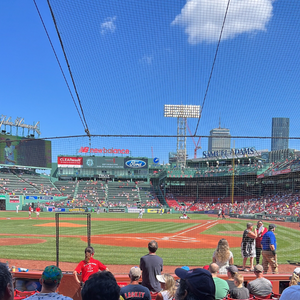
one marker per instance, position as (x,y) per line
(30,210)
(88,266)
(37,211)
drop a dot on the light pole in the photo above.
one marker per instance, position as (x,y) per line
(181,112)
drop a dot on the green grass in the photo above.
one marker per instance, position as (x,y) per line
(72,248)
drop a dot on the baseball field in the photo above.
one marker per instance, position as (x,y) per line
(121,239)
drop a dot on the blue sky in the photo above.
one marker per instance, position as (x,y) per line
(129,58)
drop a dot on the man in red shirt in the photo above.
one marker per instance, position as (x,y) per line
(37,211)
(30,210)
(88,266)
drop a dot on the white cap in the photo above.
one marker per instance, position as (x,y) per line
(161,278)
(297,271)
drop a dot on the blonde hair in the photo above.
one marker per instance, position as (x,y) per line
(239,278)
(222,251)
(295,279)
(170,285)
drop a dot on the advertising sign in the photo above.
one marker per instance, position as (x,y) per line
(118,210)
(103,162)
(134,210)
(110,162)
(21,151)
(14,199)
(153,210)
(103,150)
(46,198)
(136,163)
(69,162)
(77,210)
(31,197)
(242,152)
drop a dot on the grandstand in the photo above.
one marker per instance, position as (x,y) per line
(258,187)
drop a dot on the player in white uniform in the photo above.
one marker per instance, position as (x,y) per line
(141,214)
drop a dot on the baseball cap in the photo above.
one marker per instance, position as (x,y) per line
(206,267)
(135,272)
(52,273)
(297,271)
(185,268)
(258,268)
(199,282)
(232,269)
(271,226)
(161,278)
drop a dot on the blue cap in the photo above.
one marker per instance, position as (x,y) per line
(199,282)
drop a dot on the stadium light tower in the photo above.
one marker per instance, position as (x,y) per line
(181,112)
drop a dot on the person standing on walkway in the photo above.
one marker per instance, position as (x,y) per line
(151,265)
(269,247)
(88,266)
(261,230)
(248,246)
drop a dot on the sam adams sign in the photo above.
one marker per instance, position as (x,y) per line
(237,152)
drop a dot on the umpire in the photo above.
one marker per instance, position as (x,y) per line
(269,248)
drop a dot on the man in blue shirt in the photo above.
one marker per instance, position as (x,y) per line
(134,290)
(269,250)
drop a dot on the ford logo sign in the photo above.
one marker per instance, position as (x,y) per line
(135,163)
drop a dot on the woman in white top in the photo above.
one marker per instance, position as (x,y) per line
(168,285)
(222,256)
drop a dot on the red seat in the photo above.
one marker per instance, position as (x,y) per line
(264,297)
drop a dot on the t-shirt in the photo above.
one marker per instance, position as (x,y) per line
(46,296)
(267,240)
(135,292)
(291,293)
(87,269)
(222,288)
(151,265)
(239,293)
(260,287)
(231,284)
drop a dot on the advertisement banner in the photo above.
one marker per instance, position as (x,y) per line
(21,151)
(119,210)
(153,210)
(69,161)
(31,197)
(103,162)
(110,162)
(76,209)
(285,171)
(133,210)
(14,199)
(136,163)
(2,197)
(261,176)
(46,198)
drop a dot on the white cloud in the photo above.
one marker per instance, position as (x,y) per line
(202,19)
(147,59)
(108,25)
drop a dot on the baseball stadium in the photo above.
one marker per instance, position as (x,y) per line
(118,191)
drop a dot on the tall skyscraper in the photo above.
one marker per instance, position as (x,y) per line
(280,128)
(219,139)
